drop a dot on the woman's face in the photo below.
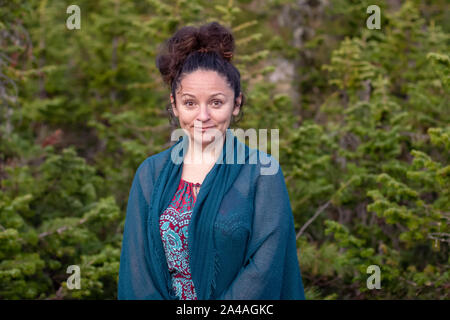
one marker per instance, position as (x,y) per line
(205,100)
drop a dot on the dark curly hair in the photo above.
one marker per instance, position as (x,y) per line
(208,47)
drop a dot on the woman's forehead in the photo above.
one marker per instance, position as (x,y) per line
(204,82)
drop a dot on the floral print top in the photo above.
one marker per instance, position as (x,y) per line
(174,223)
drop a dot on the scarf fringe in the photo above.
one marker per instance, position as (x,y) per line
(215,273)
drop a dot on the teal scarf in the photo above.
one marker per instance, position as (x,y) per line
(202,253)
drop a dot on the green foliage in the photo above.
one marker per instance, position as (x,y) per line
(388,117)
(60,221)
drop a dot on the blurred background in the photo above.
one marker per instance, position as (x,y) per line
(364,135)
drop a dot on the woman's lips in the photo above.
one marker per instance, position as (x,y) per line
(203,129)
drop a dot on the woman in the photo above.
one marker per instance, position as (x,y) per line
(207,228)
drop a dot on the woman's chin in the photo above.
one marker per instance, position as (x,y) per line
(203,140)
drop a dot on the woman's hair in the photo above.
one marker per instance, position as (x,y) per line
(208,47)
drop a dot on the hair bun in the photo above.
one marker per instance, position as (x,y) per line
(209,37)
(215,37)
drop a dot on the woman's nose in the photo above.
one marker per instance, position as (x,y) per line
(203,113)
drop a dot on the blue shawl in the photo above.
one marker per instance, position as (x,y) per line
(241,237)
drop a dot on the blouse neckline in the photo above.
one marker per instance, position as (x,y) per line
(194,187)
(192,183)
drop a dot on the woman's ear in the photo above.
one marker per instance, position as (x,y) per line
(237,105)
(174,107)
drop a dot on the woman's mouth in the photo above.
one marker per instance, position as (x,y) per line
(203,129)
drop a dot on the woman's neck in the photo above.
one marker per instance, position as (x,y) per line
(198,154)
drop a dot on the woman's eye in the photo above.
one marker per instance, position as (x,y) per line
(189,103)
(217,103)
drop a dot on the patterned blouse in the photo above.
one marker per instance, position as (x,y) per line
(174,223)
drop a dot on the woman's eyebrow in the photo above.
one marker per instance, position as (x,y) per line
(214,94)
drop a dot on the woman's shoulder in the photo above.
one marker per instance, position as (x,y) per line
(152,165)
(261,162)
(260,169)
(157,160)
